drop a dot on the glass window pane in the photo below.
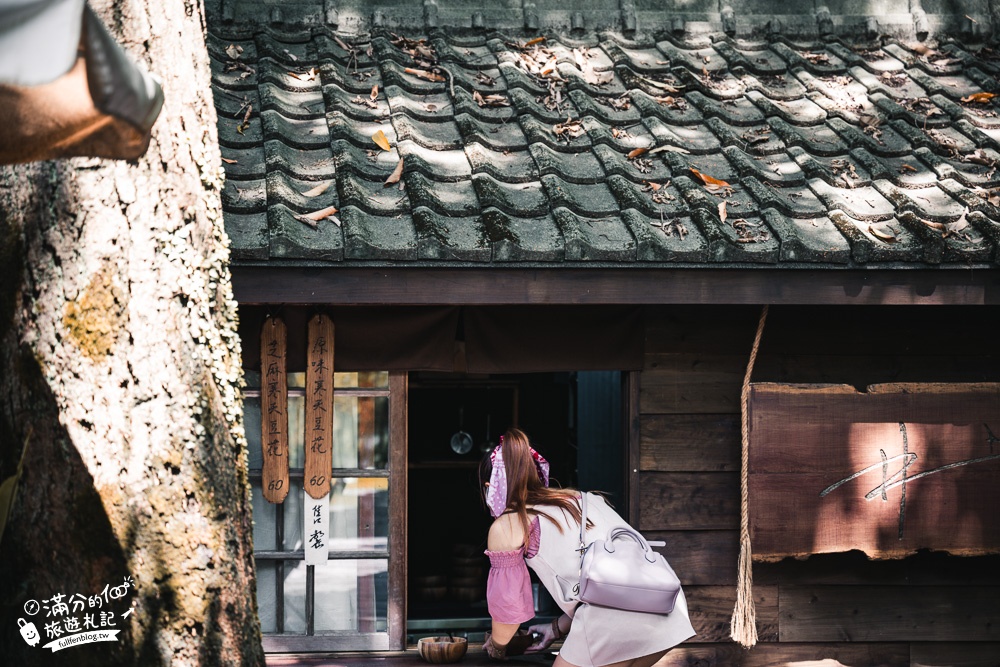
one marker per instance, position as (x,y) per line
(251,423)
(251,379)
(266,595)
(351,595)
(359,514)
(296,431)
(295,597)
(365,380)
(264,533)
(297,380)
(292,507)
(360,432)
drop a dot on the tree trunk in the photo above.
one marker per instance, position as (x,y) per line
(119,373)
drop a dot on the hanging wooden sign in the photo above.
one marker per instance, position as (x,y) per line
(319,407)
(316,514)
(274,410)
(888,471)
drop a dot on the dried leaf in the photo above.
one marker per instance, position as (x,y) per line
(709,180)
(907,168)
(937,226)
(425,74)
(312,218)
(291,55)
(722,211)
(374,94)
(672,149)
(228,161)
(341,44)
(380,139)
(637,152)
(652,187)
(396,174)
(318,190)
(885,235)
(979,98)
(234,51)
(490,100)
(536,40)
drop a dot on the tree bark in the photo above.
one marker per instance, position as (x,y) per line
(120,375)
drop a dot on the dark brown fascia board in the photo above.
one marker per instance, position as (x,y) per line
(551,286)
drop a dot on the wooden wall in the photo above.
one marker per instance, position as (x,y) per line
(929,610)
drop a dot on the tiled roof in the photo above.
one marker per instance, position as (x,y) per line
(595,148)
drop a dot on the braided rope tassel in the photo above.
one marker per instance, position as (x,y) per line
(743,626)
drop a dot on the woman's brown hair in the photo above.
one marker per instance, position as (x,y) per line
(524,486)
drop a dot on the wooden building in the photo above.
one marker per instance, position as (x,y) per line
(577,235)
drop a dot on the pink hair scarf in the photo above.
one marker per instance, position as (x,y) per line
(496,495)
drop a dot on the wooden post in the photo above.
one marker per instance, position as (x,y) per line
(274,410)
(319,407)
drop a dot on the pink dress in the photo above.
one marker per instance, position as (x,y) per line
(599,635)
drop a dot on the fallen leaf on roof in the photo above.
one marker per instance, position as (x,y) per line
(907,168)
(380,139)
(318,190)
(979,98)
(886,235)
(659,84)
(228,161)
(246,120)
(490,100)
(636,152)
(291,55)
(396,174)
(312,218)
(709,180)
(234,51)
(374,94)
(722,211)
(571,129)
(485,79)
(536,40)
(425,74)
(341,44)
(651,187)
(671,149)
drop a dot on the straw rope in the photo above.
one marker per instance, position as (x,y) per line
(743,626)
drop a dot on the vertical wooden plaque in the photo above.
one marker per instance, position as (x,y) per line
(274,410)
(319,407)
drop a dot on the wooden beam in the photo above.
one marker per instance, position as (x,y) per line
(789,655)
(690,443)
(689,501)
(689,383)
(889,613)
(711,608)
(349,285)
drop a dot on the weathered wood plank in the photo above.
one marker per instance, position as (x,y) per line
(274,410)
(889,613)
(854,568)
(319,407)
(701,557)
(711,608)
(978,654)
(691,383)
(833,469)
(688,501)
(790,655)
(692,443)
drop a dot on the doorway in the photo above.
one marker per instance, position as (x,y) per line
(573,418)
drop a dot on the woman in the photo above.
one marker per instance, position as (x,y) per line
(539,527)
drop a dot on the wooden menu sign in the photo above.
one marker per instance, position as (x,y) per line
(274,410)
(319,407)
(889,471)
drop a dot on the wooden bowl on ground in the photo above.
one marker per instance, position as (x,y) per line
(439,650)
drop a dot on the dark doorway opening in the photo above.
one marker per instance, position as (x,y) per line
(573,419)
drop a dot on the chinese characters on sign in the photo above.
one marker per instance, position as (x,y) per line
(77,619)
(319,407)
(274,410)
(316,529)
(888,471)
